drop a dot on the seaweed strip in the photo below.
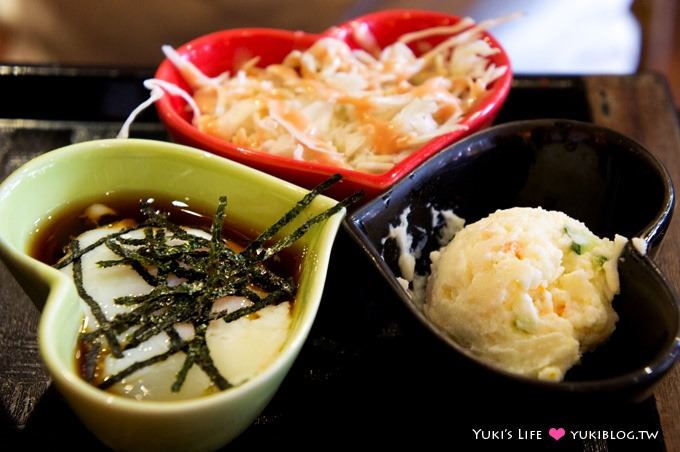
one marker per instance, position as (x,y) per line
(159,323)
(211,270)
(188,362)
(255,245)
(139,268)
(68,259)
(299,232)
(134,367)
(272,298)
(90,357)
(94,306)
(184,370)
(133,255)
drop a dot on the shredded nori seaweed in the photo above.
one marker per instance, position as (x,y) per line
(211,270)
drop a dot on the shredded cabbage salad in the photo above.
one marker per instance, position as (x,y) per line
(364,109)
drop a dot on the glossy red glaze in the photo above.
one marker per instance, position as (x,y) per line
(227,50)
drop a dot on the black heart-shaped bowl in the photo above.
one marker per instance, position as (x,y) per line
(592,174)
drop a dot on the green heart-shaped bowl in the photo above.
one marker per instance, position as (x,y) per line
(90,170)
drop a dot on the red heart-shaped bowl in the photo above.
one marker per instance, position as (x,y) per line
(228,50)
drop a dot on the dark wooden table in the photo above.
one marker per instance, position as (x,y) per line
(363,346)
(641,107)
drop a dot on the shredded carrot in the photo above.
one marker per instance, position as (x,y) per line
(365,109)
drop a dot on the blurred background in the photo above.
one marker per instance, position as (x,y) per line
(552,37)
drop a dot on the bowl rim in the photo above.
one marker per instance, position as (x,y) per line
(665,358)
(60,284)
(485,110)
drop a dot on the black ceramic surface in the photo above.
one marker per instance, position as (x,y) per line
(592,174)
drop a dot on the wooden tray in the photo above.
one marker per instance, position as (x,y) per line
(365,374)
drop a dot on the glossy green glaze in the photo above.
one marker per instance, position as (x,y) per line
(88,171)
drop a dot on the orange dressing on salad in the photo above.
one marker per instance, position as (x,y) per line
(386,138)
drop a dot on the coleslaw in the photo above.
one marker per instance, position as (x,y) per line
(364,109)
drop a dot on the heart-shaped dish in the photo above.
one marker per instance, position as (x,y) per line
(91,171)
(592,174)
(227,50)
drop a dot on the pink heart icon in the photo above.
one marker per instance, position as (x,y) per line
(556,433)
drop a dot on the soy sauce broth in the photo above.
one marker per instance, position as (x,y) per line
(53,235)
